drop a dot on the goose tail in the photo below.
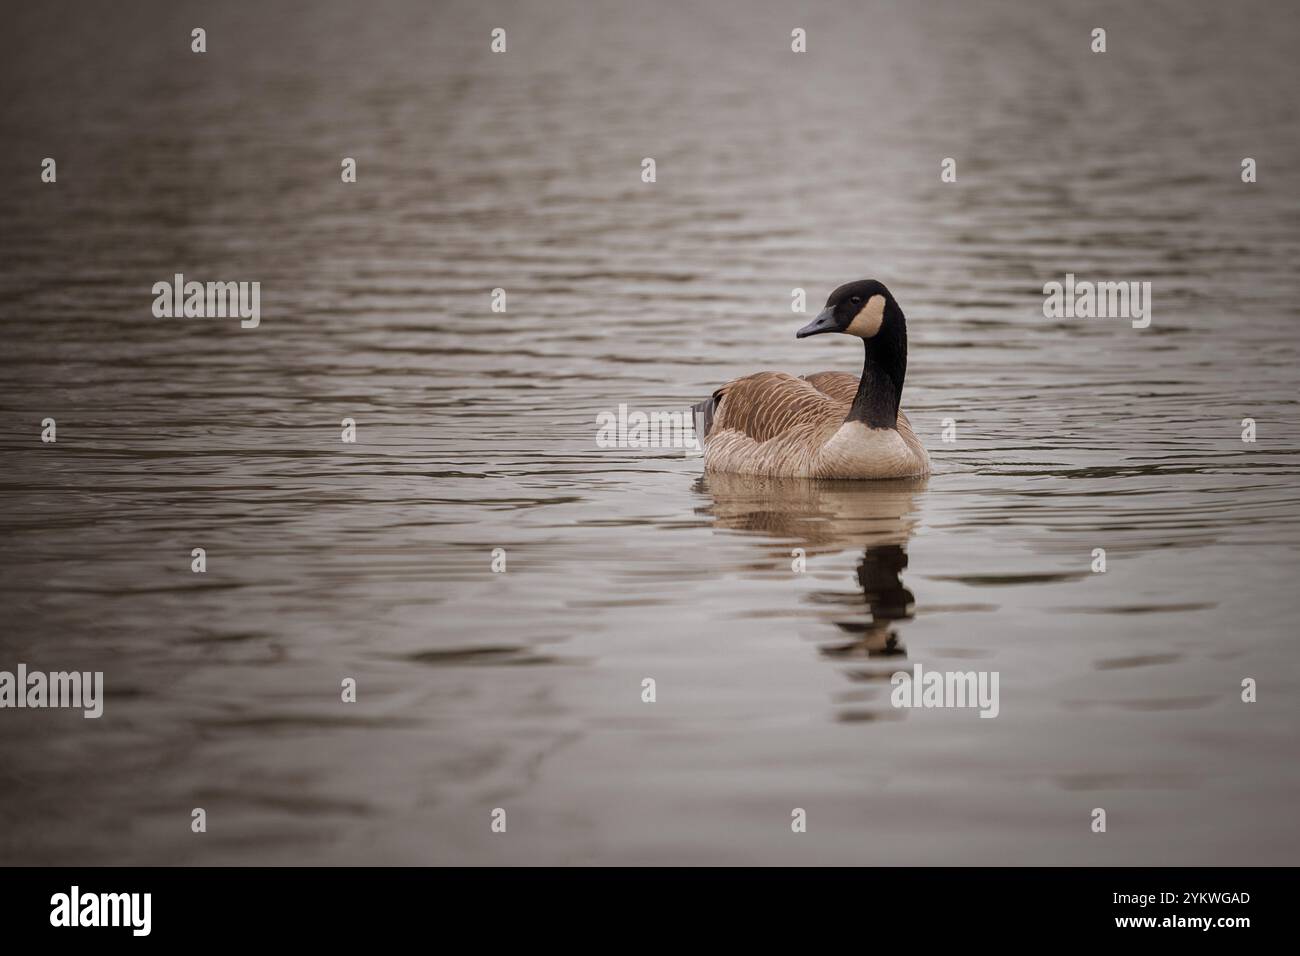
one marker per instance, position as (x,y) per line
(704,417)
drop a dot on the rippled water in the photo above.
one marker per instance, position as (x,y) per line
(476,431)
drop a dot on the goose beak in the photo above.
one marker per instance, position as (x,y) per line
(825,322)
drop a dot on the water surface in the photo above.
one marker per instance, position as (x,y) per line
(477,430)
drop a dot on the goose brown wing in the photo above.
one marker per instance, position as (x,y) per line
(840,386)
(764,405)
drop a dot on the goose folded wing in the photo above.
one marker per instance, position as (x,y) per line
(840,386)
(767,404)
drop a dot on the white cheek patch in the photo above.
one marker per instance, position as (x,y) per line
(867,322)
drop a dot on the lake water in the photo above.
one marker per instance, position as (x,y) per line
(476,431)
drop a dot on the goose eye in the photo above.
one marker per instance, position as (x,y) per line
(856,300)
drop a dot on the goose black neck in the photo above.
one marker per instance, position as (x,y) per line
(881,389)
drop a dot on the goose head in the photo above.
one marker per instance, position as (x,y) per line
(864,308)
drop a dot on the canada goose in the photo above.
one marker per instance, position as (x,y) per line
(824,425)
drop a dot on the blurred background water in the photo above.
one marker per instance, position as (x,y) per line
(476,431)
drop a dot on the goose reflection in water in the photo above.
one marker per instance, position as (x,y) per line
(825,518)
